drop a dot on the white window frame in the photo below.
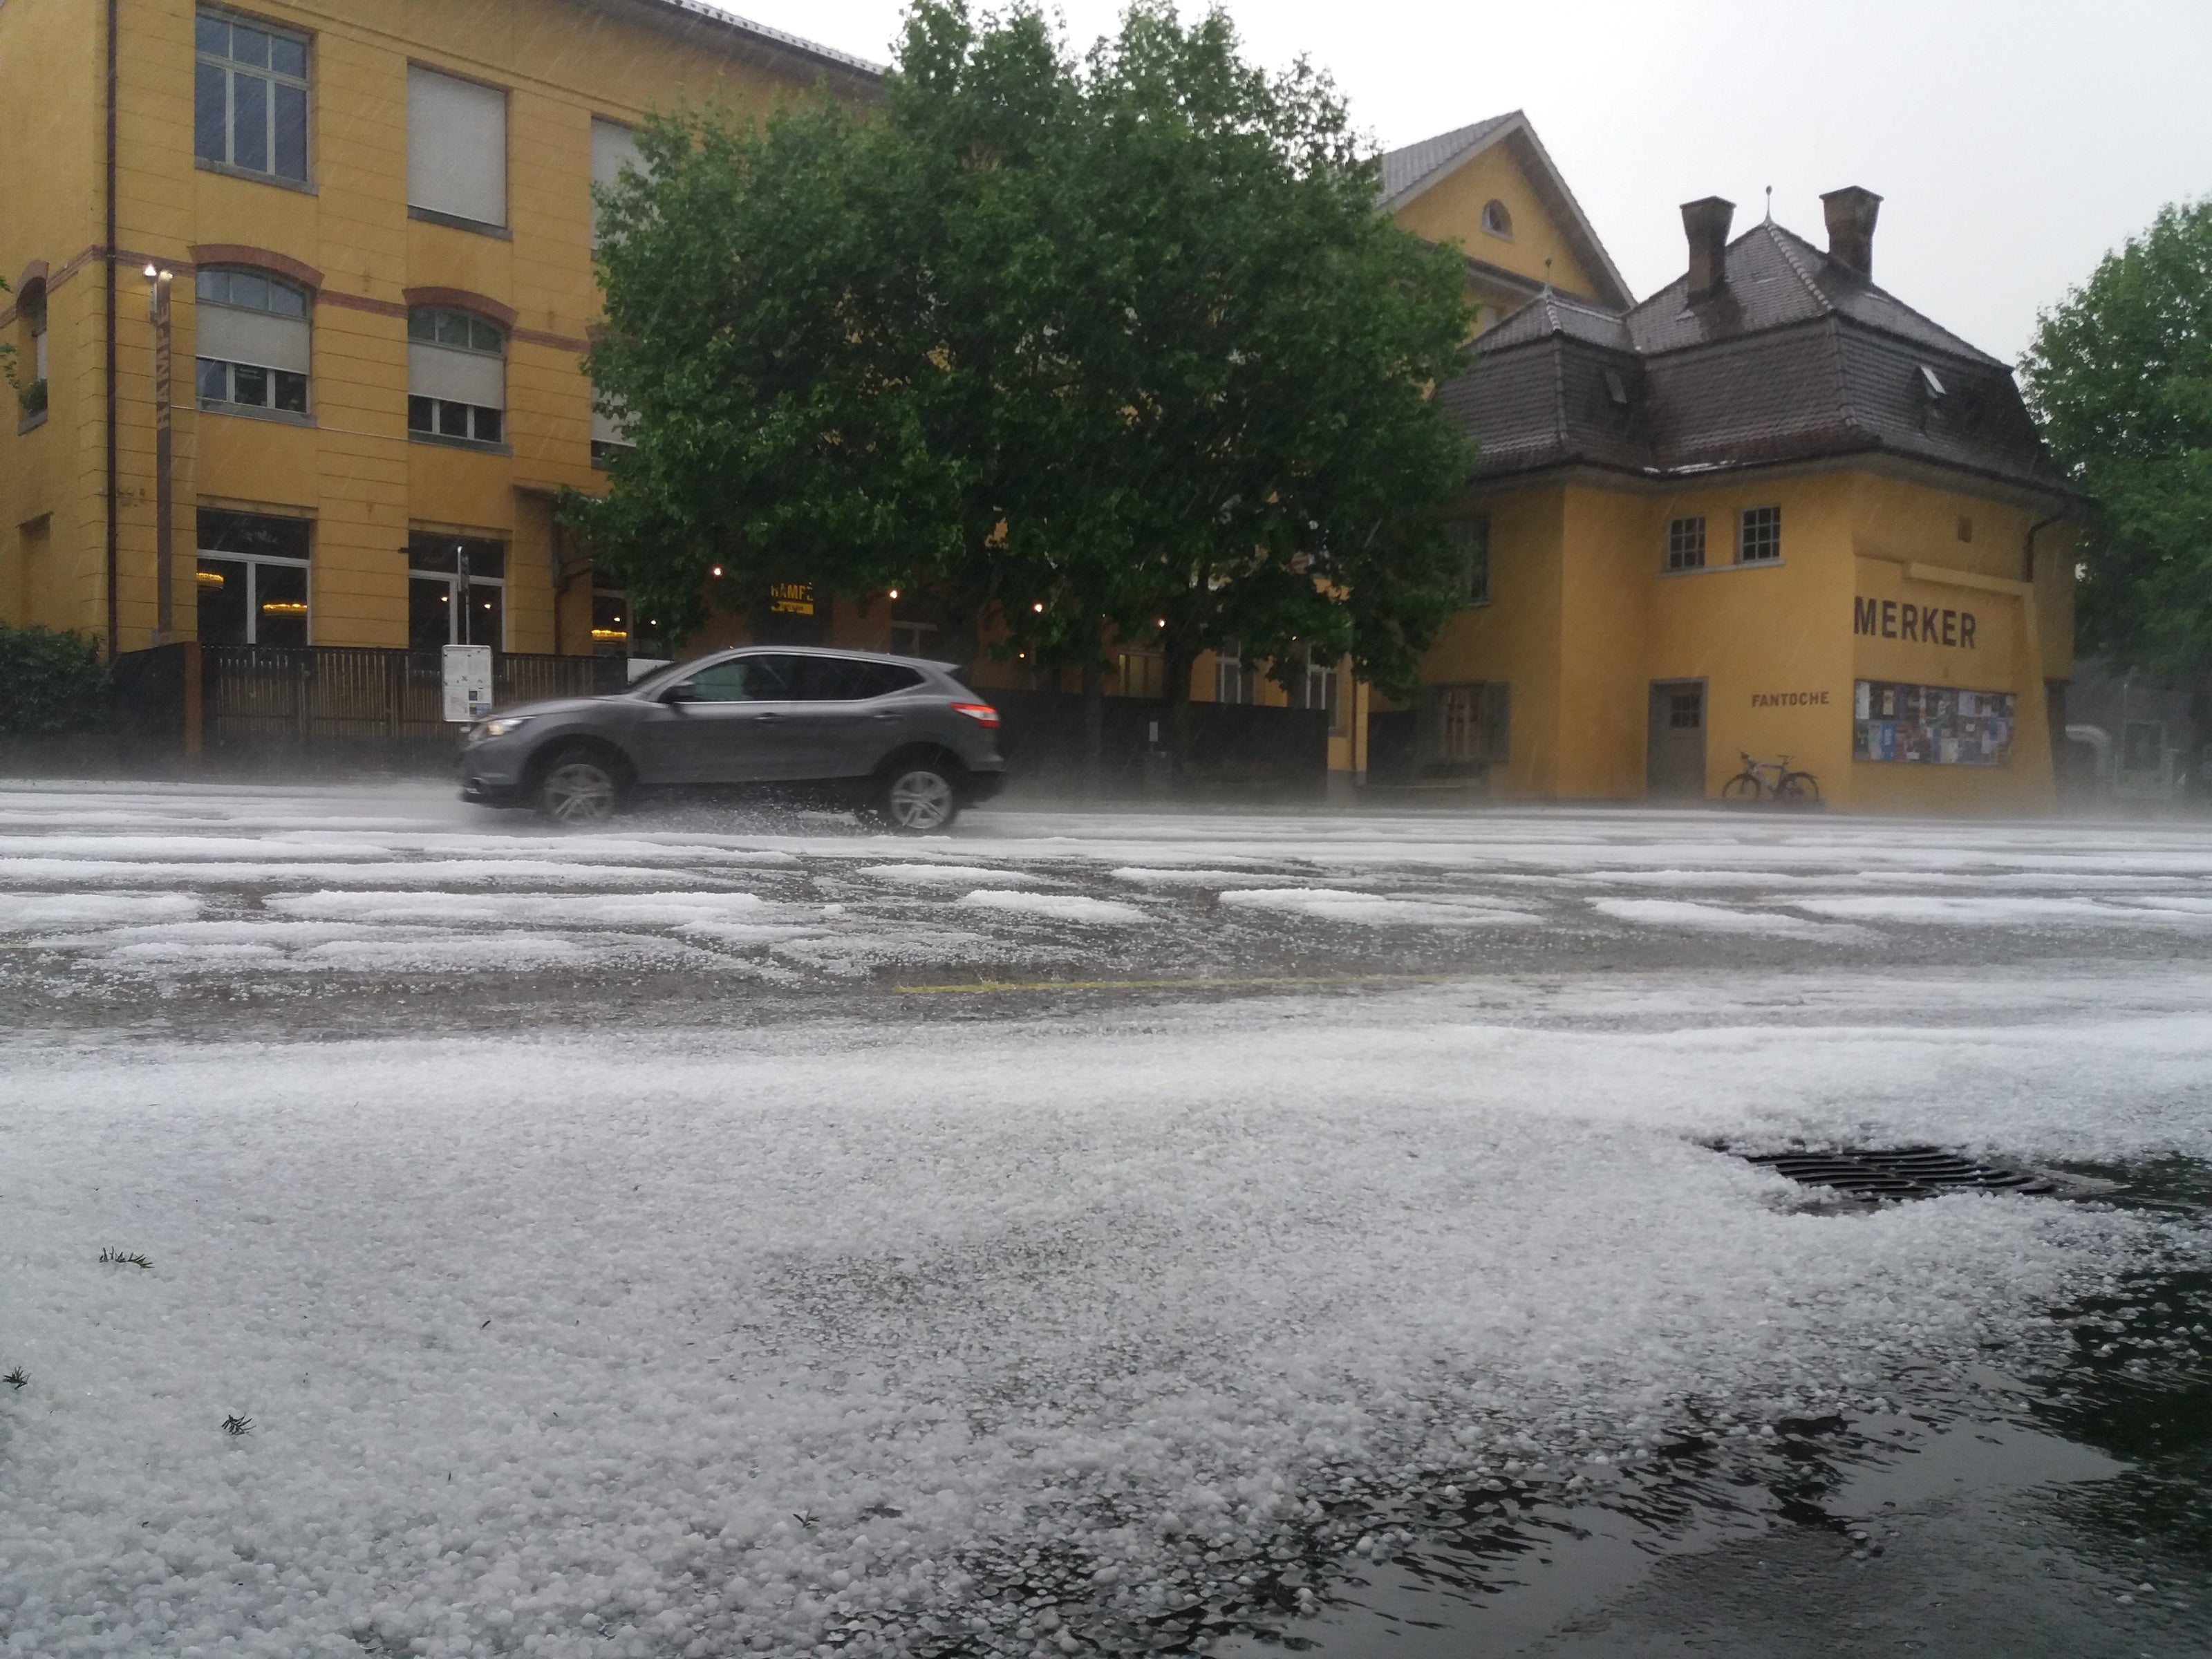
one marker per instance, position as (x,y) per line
(227,365)
(1686,541)
(426,362)
(252,563)
(1769,517)
(232,69)
(1235,680)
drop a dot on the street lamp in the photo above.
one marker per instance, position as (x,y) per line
(158,279)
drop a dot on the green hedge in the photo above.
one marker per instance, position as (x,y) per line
(50,683)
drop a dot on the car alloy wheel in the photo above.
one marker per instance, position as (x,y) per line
(578,791)
(920,801)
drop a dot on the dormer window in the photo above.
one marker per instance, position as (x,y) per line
(1496,220)
(1931,383)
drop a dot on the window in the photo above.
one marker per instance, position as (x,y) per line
(31,311)
(1686,544)
(1464,726)
(764,677)
(250,97)
(251,339)
(610,432)
(456,592)
(845,679)
(610,623)
(614,147)
(1759,536)
(1316,686)
(1931,725)
(252,579)
(456,151)
(1685,711)
(456,376)
(1471,538)
(1140,674)
(1496,220)
(1233,680)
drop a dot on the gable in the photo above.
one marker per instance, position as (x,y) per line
(1450,210)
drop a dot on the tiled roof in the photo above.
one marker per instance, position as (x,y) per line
(1796,358)
(1404,169)
(1776,277)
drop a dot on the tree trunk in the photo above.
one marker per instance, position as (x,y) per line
(1094,732)
(1179,662)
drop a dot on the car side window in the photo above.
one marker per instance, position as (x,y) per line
(721,682)
(843,679)
(762,679)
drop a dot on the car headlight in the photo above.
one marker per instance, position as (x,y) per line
(502,726)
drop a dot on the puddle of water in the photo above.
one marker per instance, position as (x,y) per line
(2067,1511)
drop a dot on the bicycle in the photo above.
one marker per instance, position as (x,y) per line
(1799,788)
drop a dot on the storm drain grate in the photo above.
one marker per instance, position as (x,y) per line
(1906,1172)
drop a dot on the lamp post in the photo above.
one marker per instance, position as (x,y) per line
(157,312)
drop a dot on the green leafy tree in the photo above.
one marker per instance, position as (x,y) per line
(50,682)
(2120,376)
(1119,344)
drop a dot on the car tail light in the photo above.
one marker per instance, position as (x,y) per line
(982,713)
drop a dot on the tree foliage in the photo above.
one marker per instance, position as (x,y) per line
(2120,374)
(50,683)
(1124,342)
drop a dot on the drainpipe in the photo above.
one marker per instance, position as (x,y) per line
(114,524)
(2027,574)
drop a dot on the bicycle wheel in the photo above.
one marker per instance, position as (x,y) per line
(1742,789)
(1800,787)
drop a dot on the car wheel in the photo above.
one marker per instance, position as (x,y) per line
(919,799)
(578,788)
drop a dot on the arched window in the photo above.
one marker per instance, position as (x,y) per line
(1496,220)
(251,337)
(31,315)
(456,376)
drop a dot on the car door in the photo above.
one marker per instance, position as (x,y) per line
(723,724)
(829,734)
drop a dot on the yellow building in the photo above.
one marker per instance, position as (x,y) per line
(376,223)
(1770,510)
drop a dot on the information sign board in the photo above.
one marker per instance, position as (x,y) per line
(467,682)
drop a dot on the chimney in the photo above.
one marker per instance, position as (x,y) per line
(1852,213)
(1706,224)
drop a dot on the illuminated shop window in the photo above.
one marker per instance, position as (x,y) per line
(252,579)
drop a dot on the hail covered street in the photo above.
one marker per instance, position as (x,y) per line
(1090,1232)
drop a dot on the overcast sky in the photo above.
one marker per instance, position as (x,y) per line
(2015,142)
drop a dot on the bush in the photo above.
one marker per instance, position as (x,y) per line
(50,683)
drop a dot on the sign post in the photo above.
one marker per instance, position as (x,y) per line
(467,682)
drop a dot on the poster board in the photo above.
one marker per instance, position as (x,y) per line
(1931,725)
(467,682)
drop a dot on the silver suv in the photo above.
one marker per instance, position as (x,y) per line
(896,739)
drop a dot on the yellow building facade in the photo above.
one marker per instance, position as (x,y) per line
(376,221)
(1768,512)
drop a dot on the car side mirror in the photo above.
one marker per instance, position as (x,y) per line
(681,693)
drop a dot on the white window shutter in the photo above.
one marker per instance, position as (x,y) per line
(251,337)
(456,147)
(606,431)
(614,147)
(457,377)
